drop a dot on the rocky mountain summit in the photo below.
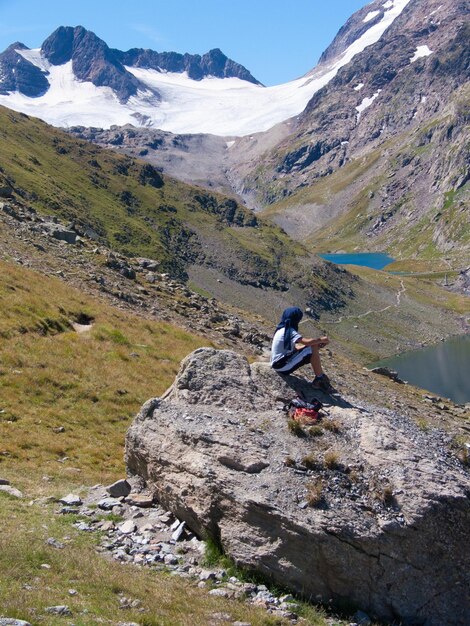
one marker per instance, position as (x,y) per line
(362,507)
(92,60)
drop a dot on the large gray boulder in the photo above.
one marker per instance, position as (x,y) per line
(368,509)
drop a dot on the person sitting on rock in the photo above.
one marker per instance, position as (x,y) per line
(290,350)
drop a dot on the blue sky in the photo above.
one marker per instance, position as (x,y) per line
(276,40)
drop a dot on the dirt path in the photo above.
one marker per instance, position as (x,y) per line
(400,292)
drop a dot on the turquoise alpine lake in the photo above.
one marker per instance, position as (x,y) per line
(374,260)
(443,369)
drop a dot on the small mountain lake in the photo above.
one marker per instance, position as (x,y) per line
(374,260)
(443,369)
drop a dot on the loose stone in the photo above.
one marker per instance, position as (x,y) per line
(60,609)
(107,504)
(54,543)
(71,500)
(176,536)
(127,527)
(119,488)
(140,499)
(12,491)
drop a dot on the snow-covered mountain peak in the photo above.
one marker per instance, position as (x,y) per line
(78,80)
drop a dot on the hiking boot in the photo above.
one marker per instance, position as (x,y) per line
(322,383)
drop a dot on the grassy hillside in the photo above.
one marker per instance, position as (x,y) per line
(90,383)
(67,399)
(129,206)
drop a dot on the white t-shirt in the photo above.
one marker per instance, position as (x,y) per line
(277,347)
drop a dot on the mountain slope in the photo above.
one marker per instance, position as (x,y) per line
(131,208)
(384,146)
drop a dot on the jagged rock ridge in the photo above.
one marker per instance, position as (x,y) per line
(213,63)
(93,61)
(375,511)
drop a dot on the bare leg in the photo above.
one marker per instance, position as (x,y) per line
(315,361)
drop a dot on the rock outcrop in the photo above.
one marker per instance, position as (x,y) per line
(363,508)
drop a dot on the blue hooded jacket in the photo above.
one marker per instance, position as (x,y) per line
(290,321)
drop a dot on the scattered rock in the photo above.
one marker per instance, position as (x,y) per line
(385,371)
(178,533)
(60,609)
(55,544)
(107,504)
(71,500)
(12,491)
(140,499)
(120,488)
(127,527)
(10,621)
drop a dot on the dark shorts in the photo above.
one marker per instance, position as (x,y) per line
(291,362)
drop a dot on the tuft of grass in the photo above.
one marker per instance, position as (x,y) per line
(295,428)
(315,431)
(423,424)
(311,462)
(332,425)
(464,456)
(331,460)
(384,494)
(314,492)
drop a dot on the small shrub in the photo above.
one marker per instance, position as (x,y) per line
(311,462)
(463,456)
(382,491)
(295,428)
(332,425)
(423,425)
(289,461)
(331,460)
(315,431)
(354,476)
(387,495)
(212,553)
(314,492)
